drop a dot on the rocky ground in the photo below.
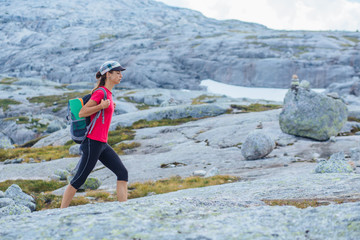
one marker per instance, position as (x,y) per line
(229,211)
(213,144)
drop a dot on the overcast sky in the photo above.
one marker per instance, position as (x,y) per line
(282,14)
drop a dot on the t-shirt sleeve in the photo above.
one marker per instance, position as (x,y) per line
(97,96)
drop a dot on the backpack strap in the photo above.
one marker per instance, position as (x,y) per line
(92,123)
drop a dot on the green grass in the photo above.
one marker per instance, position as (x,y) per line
(56,152)
(251,37)
(202,98)
(4,103)
(108,36)
(305,203)
(352,39)
(120,134)
(31,142)
(44,153)
(115,139)
(41,190)
(333,37)
(163,122)
(32,186)
(61,100)
(354,119)
(63,86)
(8,80)
(176,183)
(255,107)
(210,36)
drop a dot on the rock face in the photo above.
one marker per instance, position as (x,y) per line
(176,49)
(313,115)
(14,201)
(336,164)
(257,145)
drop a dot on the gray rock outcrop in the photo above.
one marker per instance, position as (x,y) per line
(20,198)
(336,164)
(5,142)
(310,114)
(257,145)
(177,49)
(75,150)
(14,202)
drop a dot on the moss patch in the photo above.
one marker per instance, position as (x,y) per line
(40,189)
(31,142)
(304,203)
(256,107)
(4,103)
(163,122)
(352,39)
(32,186)
(59,100)
(176,183)
(44,153)
(353,119)
(8,80)
(202,99)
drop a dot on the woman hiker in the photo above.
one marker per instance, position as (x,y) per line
(95,145)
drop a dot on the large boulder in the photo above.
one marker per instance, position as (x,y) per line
(307,113)
(257,145)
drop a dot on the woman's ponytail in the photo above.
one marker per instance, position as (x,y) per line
(101,81)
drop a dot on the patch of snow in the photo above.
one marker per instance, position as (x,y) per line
(272,94)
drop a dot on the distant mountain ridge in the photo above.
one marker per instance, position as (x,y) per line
(162,46)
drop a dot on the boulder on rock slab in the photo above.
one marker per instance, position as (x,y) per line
(307,113)
(257,145)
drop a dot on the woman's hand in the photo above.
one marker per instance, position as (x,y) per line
(105,103)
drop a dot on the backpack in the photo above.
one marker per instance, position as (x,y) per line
(80,127)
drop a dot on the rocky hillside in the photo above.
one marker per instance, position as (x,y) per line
(167,47)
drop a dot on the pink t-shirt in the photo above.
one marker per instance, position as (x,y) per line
(100,130)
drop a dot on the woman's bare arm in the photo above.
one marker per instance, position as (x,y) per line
(92,107)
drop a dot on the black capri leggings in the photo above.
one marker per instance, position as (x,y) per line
(92,151)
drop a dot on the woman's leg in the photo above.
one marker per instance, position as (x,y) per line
(121,191)
(68,196)
(91,150)
(112,161)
